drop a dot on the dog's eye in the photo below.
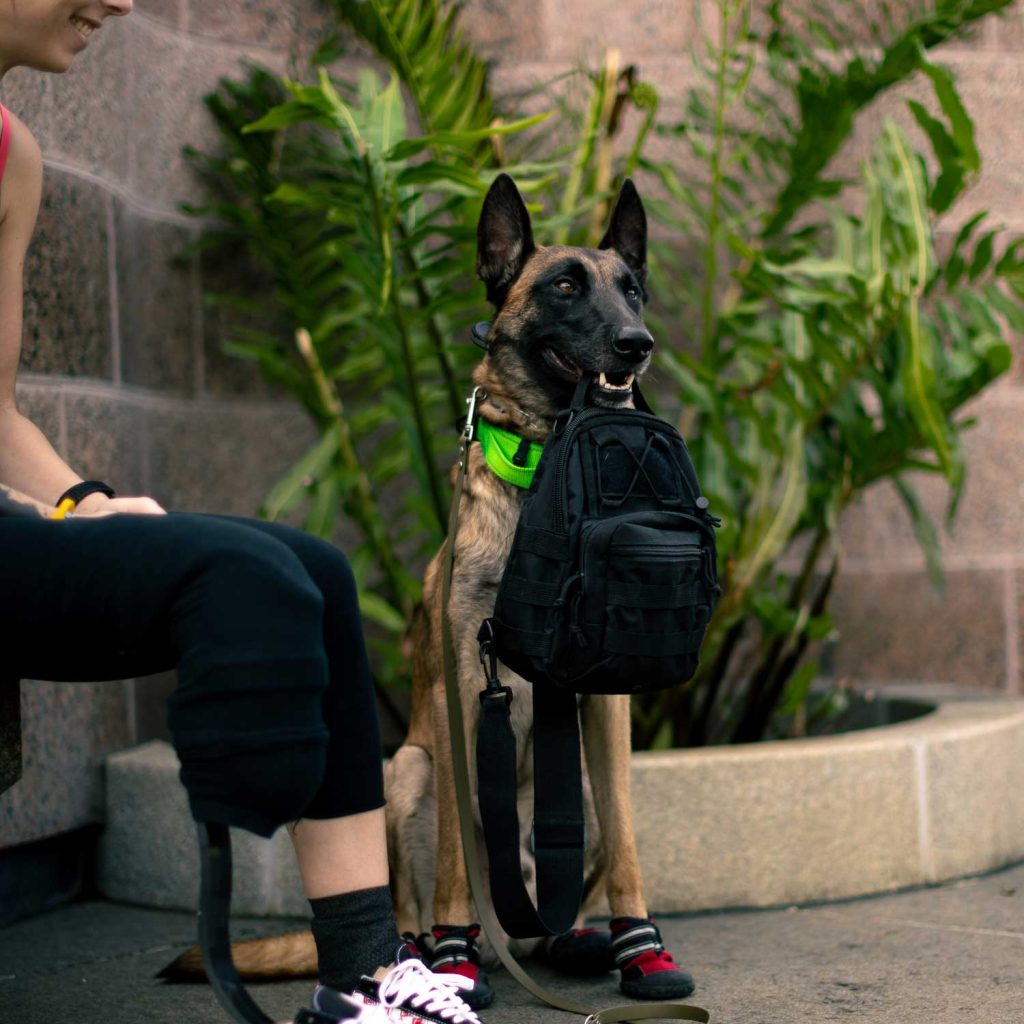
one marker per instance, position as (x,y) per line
(566,285)
(632,294)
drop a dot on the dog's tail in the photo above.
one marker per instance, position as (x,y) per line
(280,956)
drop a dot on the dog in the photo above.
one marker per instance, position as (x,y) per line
(562,313)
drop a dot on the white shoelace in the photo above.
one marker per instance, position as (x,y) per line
(413,983)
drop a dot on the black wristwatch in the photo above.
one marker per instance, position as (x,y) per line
(80,491)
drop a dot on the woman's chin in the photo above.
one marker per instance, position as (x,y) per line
(54,63)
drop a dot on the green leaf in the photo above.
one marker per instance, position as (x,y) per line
(439,140)
(960,121)
(291,488)
(924,529)
(376,609)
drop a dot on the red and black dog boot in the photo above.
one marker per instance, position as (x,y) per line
(580,953)
(414,947)
(455,952)
(648,972)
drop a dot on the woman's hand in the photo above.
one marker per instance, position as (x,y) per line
(101,505)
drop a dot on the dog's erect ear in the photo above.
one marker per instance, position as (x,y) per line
(627,233)
(504,238)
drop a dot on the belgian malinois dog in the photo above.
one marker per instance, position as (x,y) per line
(562,313)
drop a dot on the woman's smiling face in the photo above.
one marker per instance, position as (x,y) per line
(48,34)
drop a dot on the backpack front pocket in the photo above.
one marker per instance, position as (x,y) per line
(645,599)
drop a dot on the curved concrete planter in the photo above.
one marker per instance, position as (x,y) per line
(758,825)
(832,817)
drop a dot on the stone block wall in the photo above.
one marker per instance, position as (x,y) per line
(122,365)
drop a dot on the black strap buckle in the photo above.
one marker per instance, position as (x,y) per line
(489,661)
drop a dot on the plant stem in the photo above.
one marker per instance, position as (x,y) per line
(434,332)
(708,319)
(365,508)
(584,152)
(608,128)
(390,293)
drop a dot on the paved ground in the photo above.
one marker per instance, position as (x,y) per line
(951,954)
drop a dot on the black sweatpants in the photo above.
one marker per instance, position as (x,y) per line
(273,717)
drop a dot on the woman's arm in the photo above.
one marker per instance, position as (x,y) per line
(28,462)
(14,503)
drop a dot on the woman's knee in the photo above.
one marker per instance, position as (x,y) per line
(256,789)
(325,563)
(243,573)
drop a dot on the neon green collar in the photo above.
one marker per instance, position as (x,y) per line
(504,450)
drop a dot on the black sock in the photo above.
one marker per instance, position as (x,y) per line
(355,934)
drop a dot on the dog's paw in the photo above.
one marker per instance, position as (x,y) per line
(648,971)
(456,952)
(479,995)
(581,953)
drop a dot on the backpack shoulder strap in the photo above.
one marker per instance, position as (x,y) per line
(559,832)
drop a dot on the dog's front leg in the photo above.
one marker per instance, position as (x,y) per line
(456,934)
(648,971)
(606,744)
(452,900)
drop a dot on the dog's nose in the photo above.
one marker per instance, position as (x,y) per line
(633,344)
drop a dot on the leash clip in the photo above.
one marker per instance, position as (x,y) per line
(489,661)
(470,428)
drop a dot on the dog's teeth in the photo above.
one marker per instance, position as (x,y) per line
(602,380)
(629,380)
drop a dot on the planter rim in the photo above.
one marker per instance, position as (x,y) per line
(945,720)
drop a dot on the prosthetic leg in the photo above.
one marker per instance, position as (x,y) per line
(214,932)
(214,937)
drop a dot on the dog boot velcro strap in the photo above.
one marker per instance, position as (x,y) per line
(454,945)
(648,972)
(455,952)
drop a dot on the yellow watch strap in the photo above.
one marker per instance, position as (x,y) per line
(66,506)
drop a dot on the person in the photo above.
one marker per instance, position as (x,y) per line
(273,716)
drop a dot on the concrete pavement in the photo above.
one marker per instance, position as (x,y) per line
(942,955)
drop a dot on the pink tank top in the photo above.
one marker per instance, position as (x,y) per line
(5,138)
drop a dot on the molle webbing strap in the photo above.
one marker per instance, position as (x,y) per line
(634,939)
(467,823)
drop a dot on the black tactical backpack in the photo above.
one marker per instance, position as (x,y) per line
(611,578)
(608,588)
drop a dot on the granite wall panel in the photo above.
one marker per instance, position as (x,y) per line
(215,457)
(171,12)
(67,729)
(894,626)
(105,440)
(67,286)
(158,302)
(267,23)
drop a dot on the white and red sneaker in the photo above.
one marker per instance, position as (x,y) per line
(335,1007)
(410,993)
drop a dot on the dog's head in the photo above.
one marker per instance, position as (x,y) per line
(563,312)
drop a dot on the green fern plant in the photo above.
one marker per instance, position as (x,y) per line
(809,350)
(831,349)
